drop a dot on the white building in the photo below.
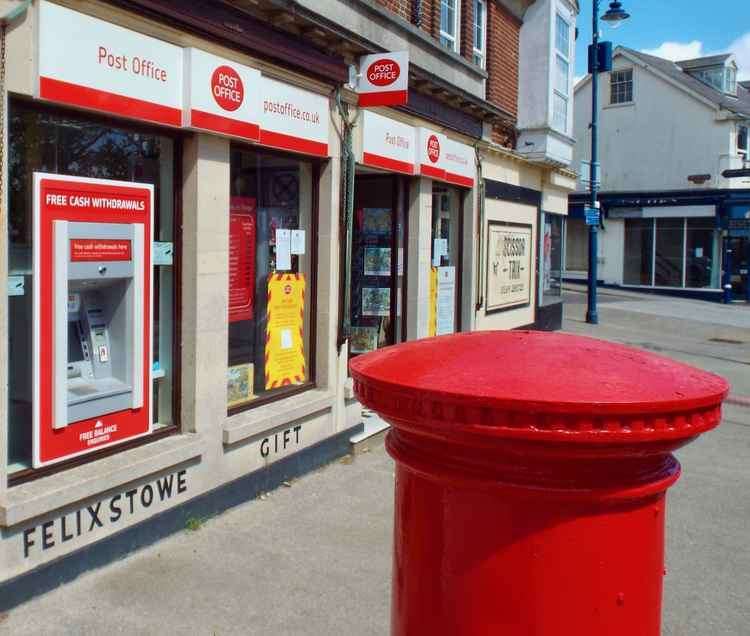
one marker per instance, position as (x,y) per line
(674,218)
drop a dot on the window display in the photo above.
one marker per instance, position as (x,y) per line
(270,276)
(377,276)
(551,261)
(60,143)
(445,245)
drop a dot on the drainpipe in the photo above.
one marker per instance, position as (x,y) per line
(480,231)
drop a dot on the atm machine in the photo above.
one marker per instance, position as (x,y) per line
(93,301)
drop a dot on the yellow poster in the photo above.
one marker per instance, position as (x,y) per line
(432,319)
(285,355)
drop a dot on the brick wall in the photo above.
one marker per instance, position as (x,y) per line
(503,32)
(402,8)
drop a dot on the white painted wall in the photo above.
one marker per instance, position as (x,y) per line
(657,141)
(536,67)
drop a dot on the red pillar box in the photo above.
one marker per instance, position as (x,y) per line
(531,472)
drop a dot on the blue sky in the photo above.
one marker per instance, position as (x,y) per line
(676,29)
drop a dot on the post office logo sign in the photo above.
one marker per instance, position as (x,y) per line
(433,148)
(227,88)
(383,72)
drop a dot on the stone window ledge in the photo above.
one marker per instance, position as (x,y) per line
(41,496)
(260,420)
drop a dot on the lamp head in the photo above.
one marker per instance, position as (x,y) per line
(615,15)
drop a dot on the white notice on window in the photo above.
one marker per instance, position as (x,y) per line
(440,248)
(283,250)
(286,339)
(298,241)
(698,252)
(446,306)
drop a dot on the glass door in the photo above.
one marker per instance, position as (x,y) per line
(739,257)
(446,259)
(378,262)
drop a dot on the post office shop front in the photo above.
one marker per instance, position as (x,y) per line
(411,189)
(170,325)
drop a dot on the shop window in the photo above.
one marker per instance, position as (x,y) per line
(702,261)
(621,86)
(271,276)
(639,251)
(378,275)
(446,255)
(53,141)
(551,263)
(576,245)
(670,245)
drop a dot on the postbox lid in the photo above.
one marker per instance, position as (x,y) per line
(530,372)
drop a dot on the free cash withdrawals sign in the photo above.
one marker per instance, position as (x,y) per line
(384,79)
(59,198)
(285,312)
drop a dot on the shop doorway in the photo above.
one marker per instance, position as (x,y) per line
(447,216)
(739,259)
(378,276)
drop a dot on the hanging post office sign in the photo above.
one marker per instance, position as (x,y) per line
(222,96)
(90,63)
(387,144)
(509,269)
(431,153)
(384,79)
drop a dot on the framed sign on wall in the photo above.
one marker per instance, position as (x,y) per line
(509,268)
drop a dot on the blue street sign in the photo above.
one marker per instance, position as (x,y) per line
(592,216)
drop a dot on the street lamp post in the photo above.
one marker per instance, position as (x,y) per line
(614,16)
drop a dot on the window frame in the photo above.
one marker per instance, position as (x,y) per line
(316,163)
(743,151)
(178,136)
(444,35)
(481,53)
(557,56)
(613,84)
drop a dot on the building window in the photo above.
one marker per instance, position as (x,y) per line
(58,142)
(561,87)
(449,24)
(621,86)
(702,263)
(562,36)
(639,252)
(731,80)
(742,141)
(550,286)
(670,246)
(480,30)
(559,112)
(271,265)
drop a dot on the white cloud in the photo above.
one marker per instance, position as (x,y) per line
(676,51)
(741,49)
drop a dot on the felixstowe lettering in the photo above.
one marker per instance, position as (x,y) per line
(107,512)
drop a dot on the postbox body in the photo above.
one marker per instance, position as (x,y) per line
(531,475)
(92,301)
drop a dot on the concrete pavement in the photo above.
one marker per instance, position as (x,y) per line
(314,557)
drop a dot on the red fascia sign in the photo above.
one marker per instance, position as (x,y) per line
(221,96)
(97,206)
(431,153)
(90,63)
(384,79)
(387,144)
